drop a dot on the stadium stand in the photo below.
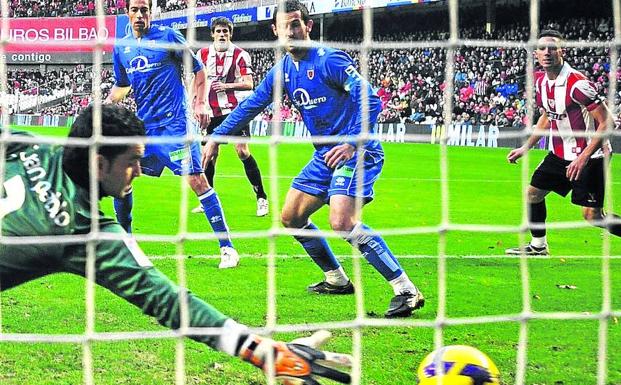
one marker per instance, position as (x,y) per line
(74,8)
(61,8)
(31,90)
(176,5)
(489,82)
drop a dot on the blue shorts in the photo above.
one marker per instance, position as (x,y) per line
(180,158)
(317,179)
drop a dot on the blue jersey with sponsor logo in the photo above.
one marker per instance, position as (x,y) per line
(155,74)
(327,90)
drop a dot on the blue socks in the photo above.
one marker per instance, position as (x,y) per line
(123,210)
(372,247)
(213,211)
(376,252)
(318,250)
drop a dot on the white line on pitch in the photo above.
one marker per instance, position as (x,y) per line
(517,181)
(422,256)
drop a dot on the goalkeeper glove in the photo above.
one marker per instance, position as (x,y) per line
(296,363)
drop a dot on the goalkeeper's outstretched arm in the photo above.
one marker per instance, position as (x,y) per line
(123,269)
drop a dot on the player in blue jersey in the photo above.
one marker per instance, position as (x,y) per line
(325,86)
(155,74)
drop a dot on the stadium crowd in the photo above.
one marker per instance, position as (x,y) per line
(175,5)
(35,82)
(62,8)
(488,83)
(67,8)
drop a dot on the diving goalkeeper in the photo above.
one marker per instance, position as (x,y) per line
(47,193)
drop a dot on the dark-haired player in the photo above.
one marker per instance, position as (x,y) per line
(326,88)
(229,81)
(571,109)
(47,193)
(155,74)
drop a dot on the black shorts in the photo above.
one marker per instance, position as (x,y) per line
(587,191)
(217,120)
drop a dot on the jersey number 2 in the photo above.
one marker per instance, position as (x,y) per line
(15,192)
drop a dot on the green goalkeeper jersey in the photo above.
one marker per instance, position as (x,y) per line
(39,199)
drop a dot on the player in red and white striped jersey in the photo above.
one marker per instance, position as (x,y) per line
(229,81)
(571,109)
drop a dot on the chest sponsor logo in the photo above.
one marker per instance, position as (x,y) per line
(141,64)
(302,99)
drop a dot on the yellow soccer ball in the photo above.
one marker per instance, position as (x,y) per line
(463,365)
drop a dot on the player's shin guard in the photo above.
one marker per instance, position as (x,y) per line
(123,210)
(215,215)
(375,250)
(254,176)
(318,249)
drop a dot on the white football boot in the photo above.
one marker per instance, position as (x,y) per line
(229,258)
(263,207)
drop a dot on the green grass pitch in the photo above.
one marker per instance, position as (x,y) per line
(483,189)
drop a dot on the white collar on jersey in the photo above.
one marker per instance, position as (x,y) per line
(561,79)
(228,52)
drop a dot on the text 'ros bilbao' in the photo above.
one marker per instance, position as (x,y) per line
(47,34)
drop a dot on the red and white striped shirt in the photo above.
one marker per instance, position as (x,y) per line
(567,100)
(227,67)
